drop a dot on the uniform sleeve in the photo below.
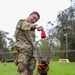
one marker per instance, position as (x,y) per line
(27,26)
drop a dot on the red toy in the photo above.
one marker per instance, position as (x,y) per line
(43,34)
(41,65)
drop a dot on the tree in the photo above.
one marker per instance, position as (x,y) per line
(3,43)
(44,45)
(66,20)
(66,23)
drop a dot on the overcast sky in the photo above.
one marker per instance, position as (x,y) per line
(13,10)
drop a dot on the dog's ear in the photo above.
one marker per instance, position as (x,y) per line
(48,60)
(40,59)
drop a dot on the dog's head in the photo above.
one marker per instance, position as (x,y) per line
(43,66)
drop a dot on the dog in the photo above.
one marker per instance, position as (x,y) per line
(43,66)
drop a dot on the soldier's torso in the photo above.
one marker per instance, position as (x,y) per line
(24,37)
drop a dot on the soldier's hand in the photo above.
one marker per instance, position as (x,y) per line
(39,28)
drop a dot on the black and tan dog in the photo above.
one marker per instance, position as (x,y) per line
(43,66)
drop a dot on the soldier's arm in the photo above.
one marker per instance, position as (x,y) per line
(27,26)
(23,25)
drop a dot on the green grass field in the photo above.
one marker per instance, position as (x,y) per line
(55,68)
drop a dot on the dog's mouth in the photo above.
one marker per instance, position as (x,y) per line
(41,65)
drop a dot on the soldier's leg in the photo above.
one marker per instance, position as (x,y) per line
(32,65)
(22,64)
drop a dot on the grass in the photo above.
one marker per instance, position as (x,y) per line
(64,69)
(8,69)
(55,68)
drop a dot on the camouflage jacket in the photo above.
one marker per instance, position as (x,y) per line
(25,35)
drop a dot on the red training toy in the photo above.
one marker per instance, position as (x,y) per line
(41,65)
(43,34)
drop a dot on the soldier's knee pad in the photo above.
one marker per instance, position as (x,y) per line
(21,64)
(21,58)
(21,67)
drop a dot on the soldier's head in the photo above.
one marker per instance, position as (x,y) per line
(33,17)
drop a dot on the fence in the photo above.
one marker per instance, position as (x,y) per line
(8,56)
(45,53)
(56,55)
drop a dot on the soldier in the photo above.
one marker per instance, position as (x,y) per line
(24,48)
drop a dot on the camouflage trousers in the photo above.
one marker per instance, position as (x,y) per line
(25,61)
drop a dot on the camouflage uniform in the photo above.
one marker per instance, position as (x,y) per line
(24,49)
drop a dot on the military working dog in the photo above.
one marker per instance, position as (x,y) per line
(43,66)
